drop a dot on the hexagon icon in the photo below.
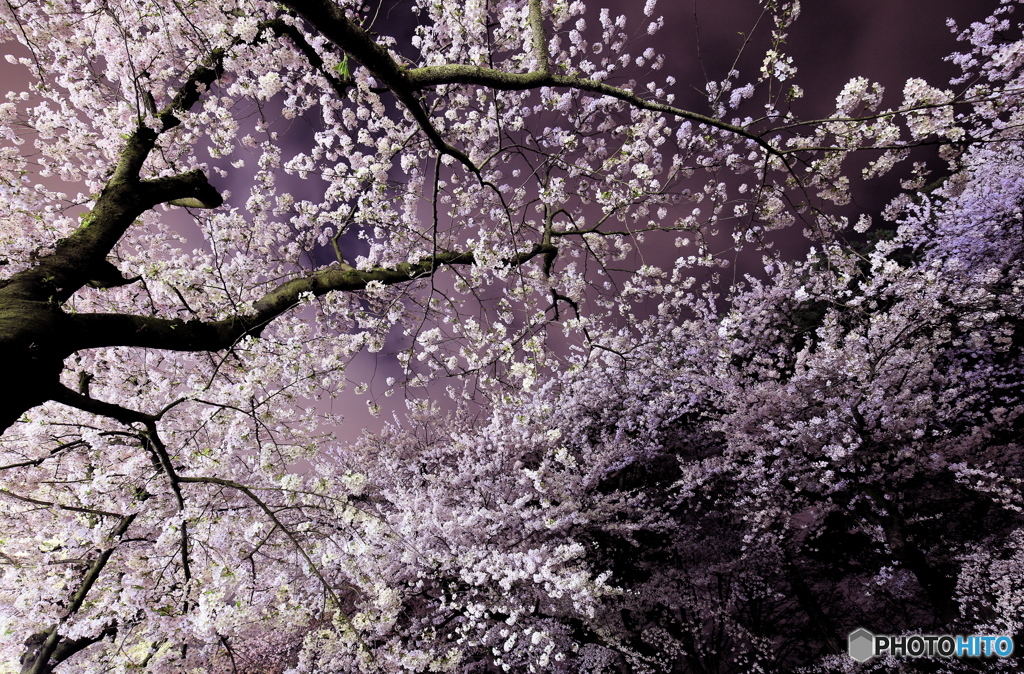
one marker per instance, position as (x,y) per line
(861,645)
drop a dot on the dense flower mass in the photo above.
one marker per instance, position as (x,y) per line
(210,207)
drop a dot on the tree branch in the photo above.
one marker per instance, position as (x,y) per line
(540,40)
(99,330)
(66,396)
(332,23)
(158,448)
(125,196)
(60,506)
(500,80)
(291,536)
(282,29)
(37,659)
(330,20)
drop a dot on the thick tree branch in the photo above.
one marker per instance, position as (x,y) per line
(65,649)
(98,330)
(540,40)
(329,19)
(282,29)
(126,196)
(79,257)
(36,336)
(123,199)
(66,396)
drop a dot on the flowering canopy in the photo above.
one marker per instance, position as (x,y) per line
(663,471)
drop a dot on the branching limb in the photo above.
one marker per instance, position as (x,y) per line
(53,452)
(269,512)
(153,443)
(48,649)
(432,76)
(157,447)
(339,84)
(65,649)
(123,199)
(66,396)
(99,330)
(330,20)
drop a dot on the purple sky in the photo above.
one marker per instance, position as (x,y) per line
(834,40)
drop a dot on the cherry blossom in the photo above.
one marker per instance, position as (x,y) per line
(211,208)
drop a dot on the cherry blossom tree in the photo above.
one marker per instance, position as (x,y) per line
(652,468)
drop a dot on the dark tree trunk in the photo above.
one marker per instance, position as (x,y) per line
(34,339)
